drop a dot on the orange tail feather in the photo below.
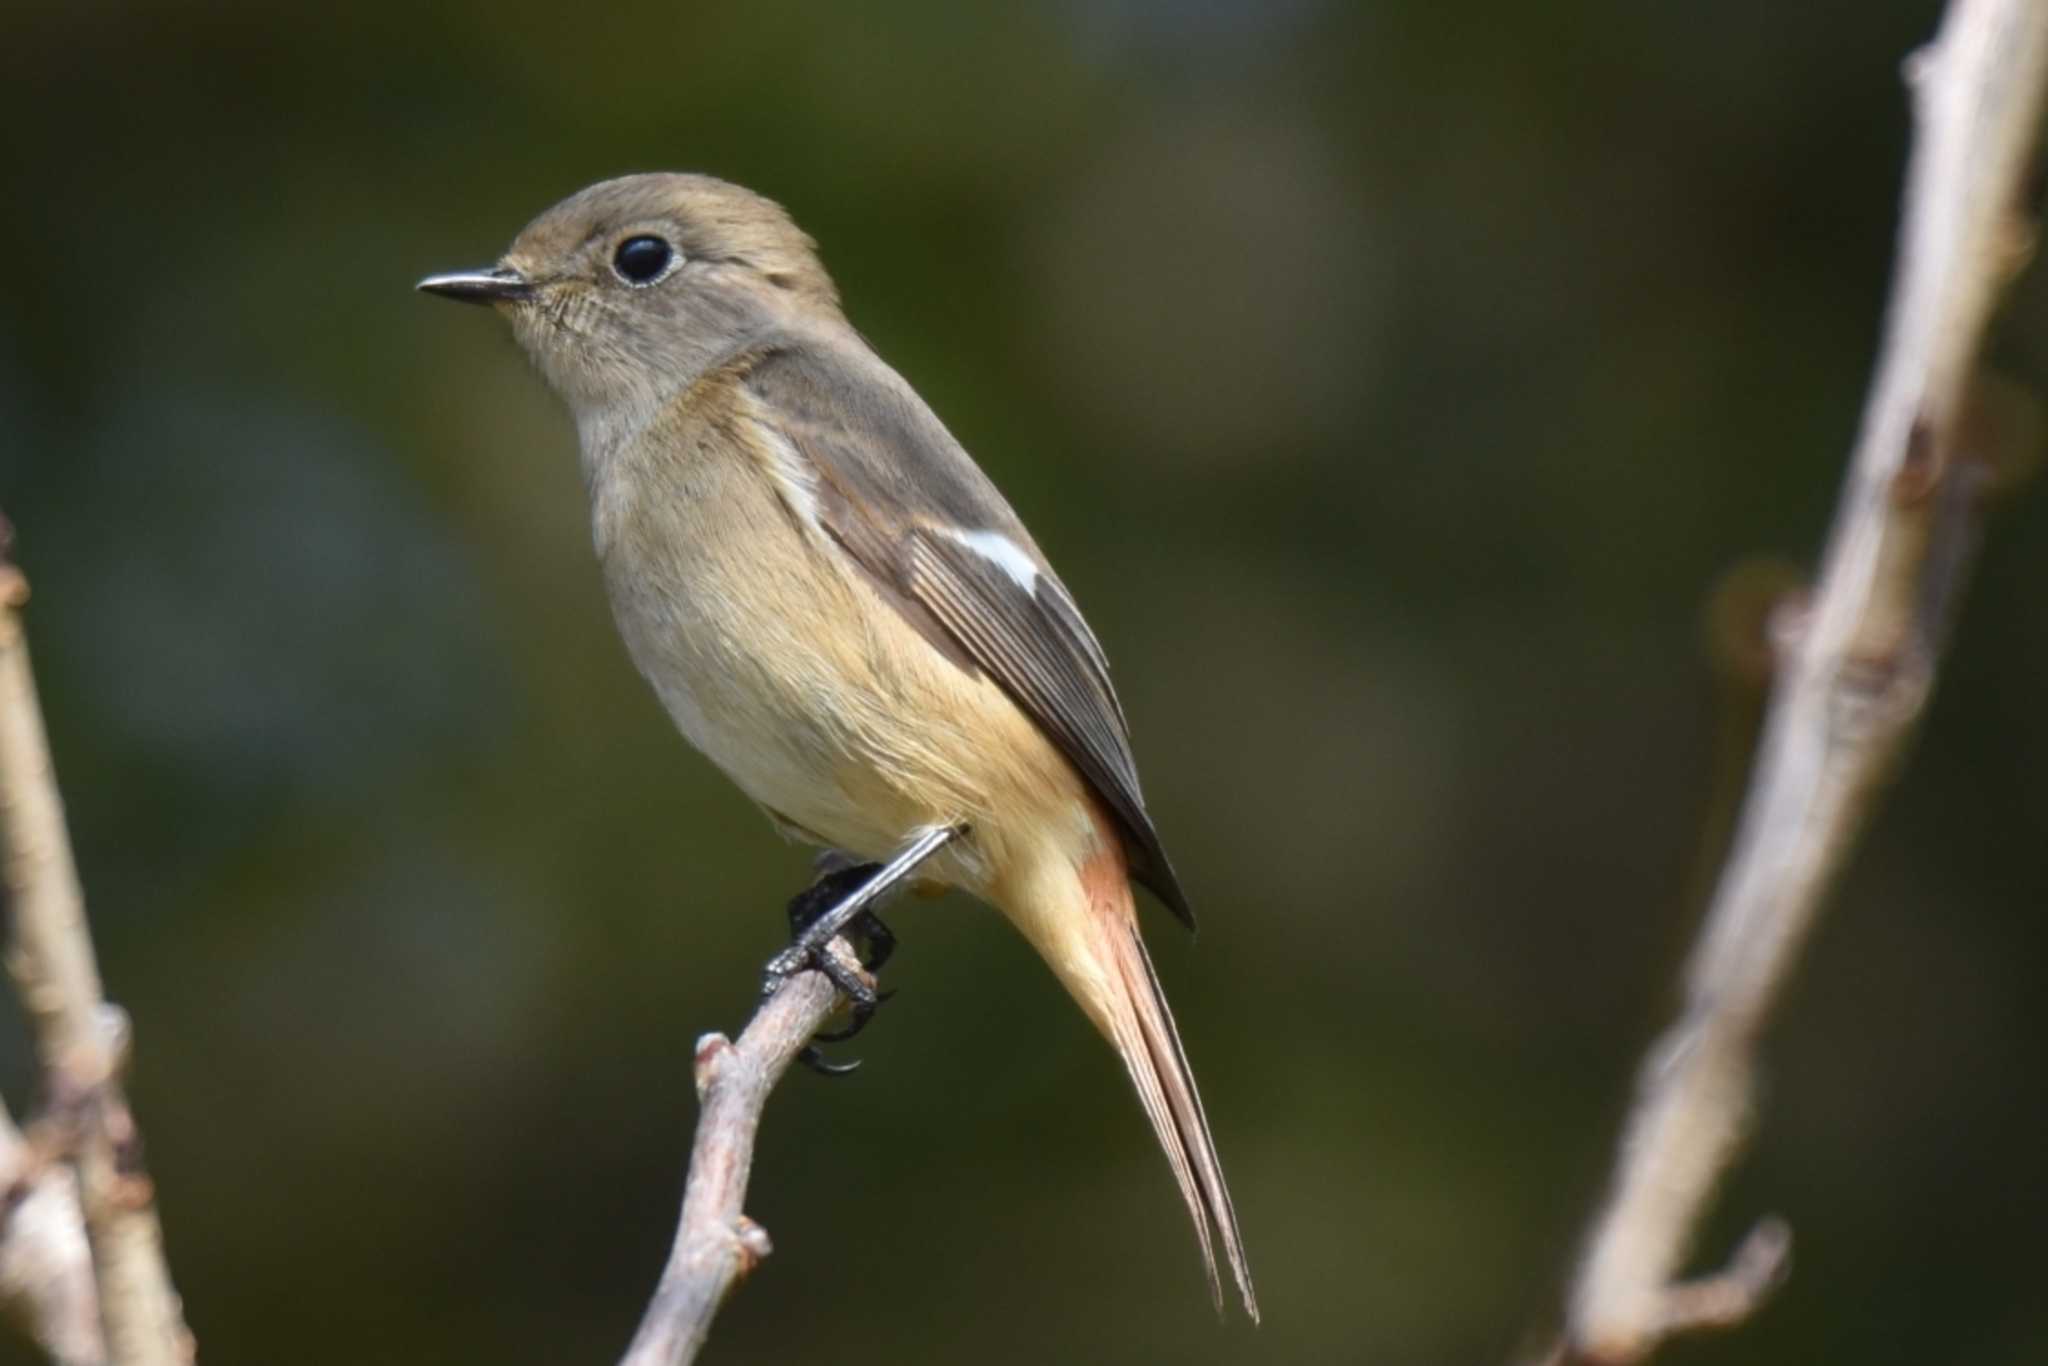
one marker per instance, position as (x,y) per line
(1100,957)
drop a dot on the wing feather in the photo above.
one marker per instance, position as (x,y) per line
(913,510)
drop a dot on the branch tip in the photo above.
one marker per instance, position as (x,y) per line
(712,1050)
(754,1243)
(1916,66)
(1745,617)
(1731,1295)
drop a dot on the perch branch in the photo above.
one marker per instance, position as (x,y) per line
(716,1244)
(80,1038)
(1855,666)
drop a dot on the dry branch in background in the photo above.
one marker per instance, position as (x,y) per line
(80,1042)
(716,1244)
(1855,666)
(46,1280)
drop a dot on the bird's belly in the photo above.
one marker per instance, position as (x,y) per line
(791,761)
(778,737)
(771,672)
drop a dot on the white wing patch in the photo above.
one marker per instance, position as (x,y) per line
(1000,550)
(795,478)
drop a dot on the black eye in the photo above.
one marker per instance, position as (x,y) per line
(640,260)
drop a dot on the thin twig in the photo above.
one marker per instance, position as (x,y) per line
(46,1280)
(1855,668)
(80,1039)
(716,1244)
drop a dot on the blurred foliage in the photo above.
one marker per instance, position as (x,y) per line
(1393,384)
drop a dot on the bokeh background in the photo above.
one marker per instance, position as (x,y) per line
(1393,383)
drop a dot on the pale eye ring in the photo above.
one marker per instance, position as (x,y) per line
(643,259)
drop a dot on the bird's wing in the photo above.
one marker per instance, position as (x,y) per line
(889,484)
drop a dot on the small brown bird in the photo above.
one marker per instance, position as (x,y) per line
(836,605)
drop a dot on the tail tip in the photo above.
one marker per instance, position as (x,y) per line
(1246,1293)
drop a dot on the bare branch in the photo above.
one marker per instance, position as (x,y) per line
(80,1039)
(716,1244)
(46,1279)
(1854,674)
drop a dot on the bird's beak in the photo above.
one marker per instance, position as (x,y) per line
(499,285)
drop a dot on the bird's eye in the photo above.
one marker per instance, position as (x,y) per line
(642,260)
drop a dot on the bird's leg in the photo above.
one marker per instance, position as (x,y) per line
(869,885)
(840,877)
(835,903)
(866,928)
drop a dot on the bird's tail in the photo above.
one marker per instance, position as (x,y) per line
(1103,962)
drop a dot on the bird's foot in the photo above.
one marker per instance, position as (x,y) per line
(810,948)
(842,902)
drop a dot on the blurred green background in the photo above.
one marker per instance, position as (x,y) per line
(1392,383)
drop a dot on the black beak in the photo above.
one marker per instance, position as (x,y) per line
(499,285)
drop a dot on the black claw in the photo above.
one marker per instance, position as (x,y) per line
(815,1060)
(854,1027)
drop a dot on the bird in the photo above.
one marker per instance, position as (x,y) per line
(836,606)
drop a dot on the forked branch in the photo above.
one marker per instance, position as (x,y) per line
(716,1244)
(1856,664)
(80,1043)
